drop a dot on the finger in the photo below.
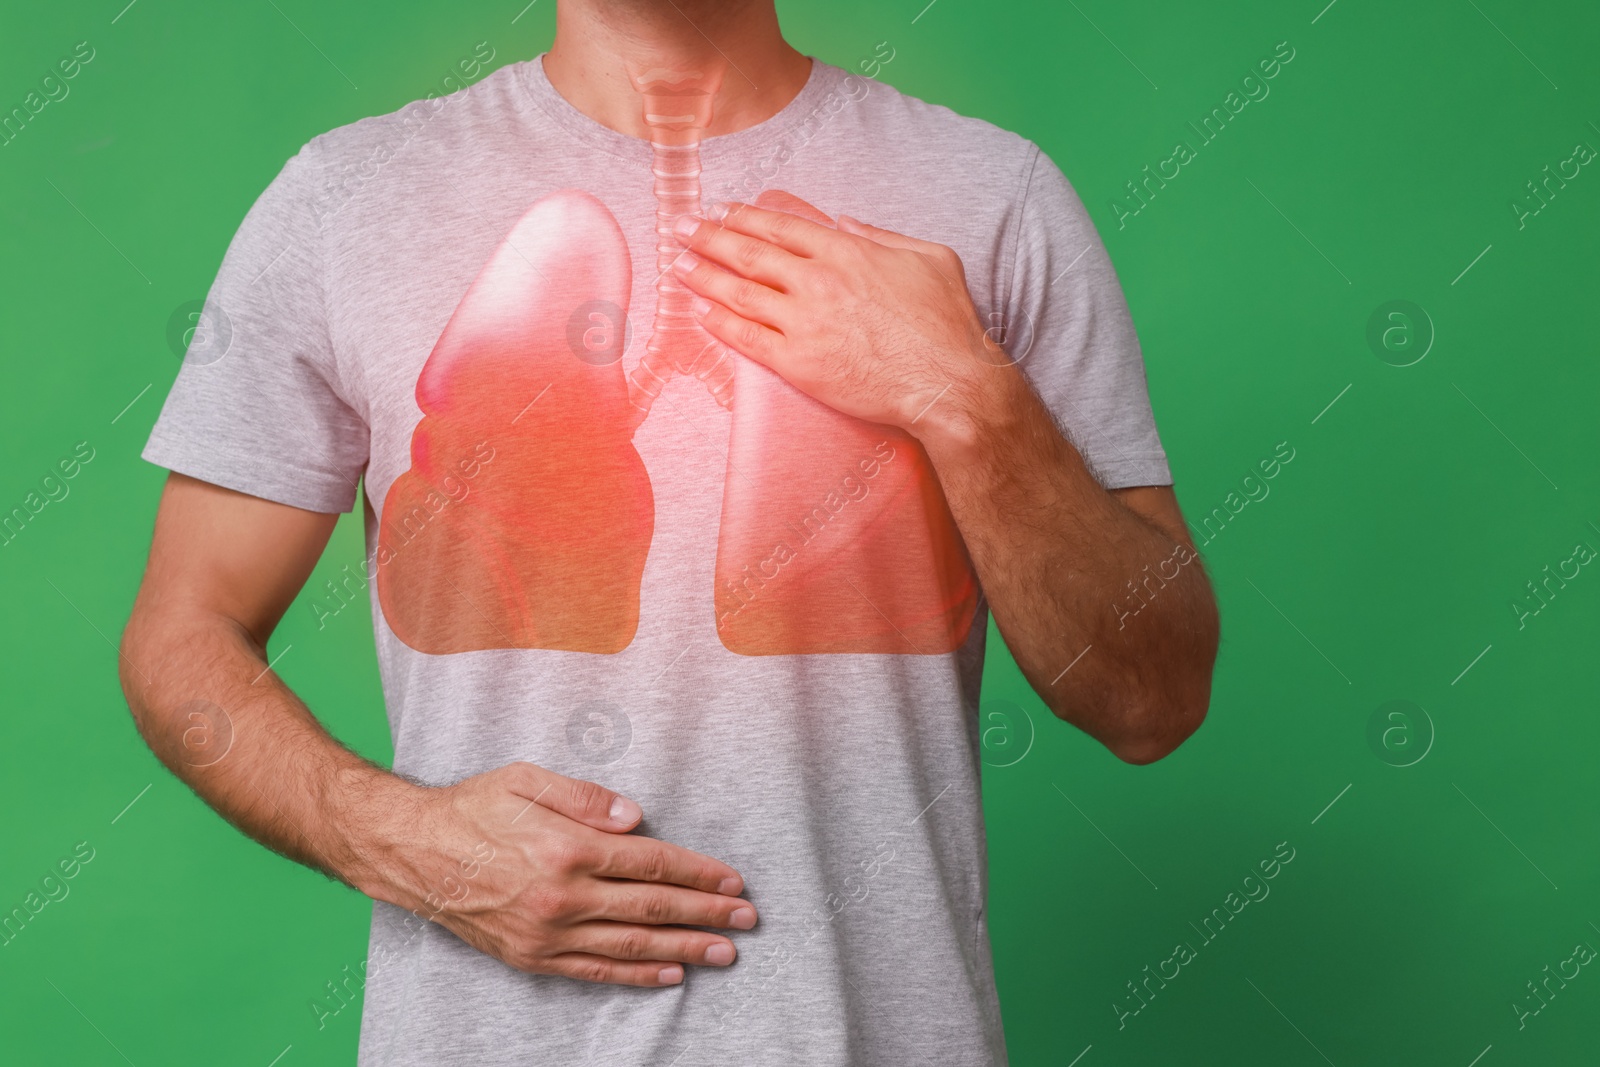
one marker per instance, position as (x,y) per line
(943,256)
(643,859)
(627,941)
(656,905)
(589,968)
(749,299)
(586,802)
(888,238)
(793,234)
(752,257)
(761,343)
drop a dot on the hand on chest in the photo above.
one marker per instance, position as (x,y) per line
(526,516)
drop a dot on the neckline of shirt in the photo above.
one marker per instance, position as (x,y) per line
(823,79)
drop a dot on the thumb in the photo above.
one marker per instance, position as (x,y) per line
(581,801)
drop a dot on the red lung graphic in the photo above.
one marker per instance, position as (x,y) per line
(526,516)
(835,534)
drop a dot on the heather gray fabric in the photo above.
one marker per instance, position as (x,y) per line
(844,787)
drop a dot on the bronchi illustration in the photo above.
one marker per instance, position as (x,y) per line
(526,516)
(677,107)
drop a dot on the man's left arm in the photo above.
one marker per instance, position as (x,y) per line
(1099,595)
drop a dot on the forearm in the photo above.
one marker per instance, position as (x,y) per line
(211,711)
(1060,559)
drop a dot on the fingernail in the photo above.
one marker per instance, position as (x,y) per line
(742,918)
(700,306)
(686,225)
(730,887)
(625,811)
(670,975)
(686,262)
(717,212)
(720,954)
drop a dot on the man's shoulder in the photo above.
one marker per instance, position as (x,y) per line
(457,104)
(962,141)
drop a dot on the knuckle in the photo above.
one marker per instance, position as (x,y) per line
(653,865)
(827,286)
(782,227)
(527,960)
(632,945)
(564,855)
(752,338)
(655,908)
(549,903)
(593,970)
(750,253)
(747,294)
(586,796)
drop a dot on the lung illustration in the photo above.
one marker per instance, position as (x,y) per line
(526,515)
(835,535)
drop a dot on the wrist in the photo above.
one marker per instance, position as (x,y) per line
(378,816)
(975,405)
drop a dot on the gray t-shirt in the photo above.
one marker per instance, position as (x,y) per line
(757,622)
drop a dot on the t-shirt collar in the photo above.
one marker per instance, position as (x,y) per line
(552,104)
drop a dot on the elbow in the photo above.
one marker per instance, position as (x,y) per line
(1164,709)
(134,648)
(1154,731)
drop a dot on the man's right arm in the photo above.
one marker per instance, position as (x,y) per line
(529,866)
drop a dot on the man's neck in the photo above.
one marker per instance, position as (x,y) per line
(602,48)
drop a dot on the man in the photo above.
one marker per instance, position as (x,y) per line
(676,525)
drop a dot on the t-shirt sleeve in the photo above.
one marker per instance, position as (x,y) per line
(258,405)
(1068,326)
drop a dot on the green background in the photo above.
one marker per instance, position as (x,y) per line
(1382,566)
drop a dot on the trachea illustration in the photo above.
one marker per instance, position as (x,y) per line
(527,513)
(677,107)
